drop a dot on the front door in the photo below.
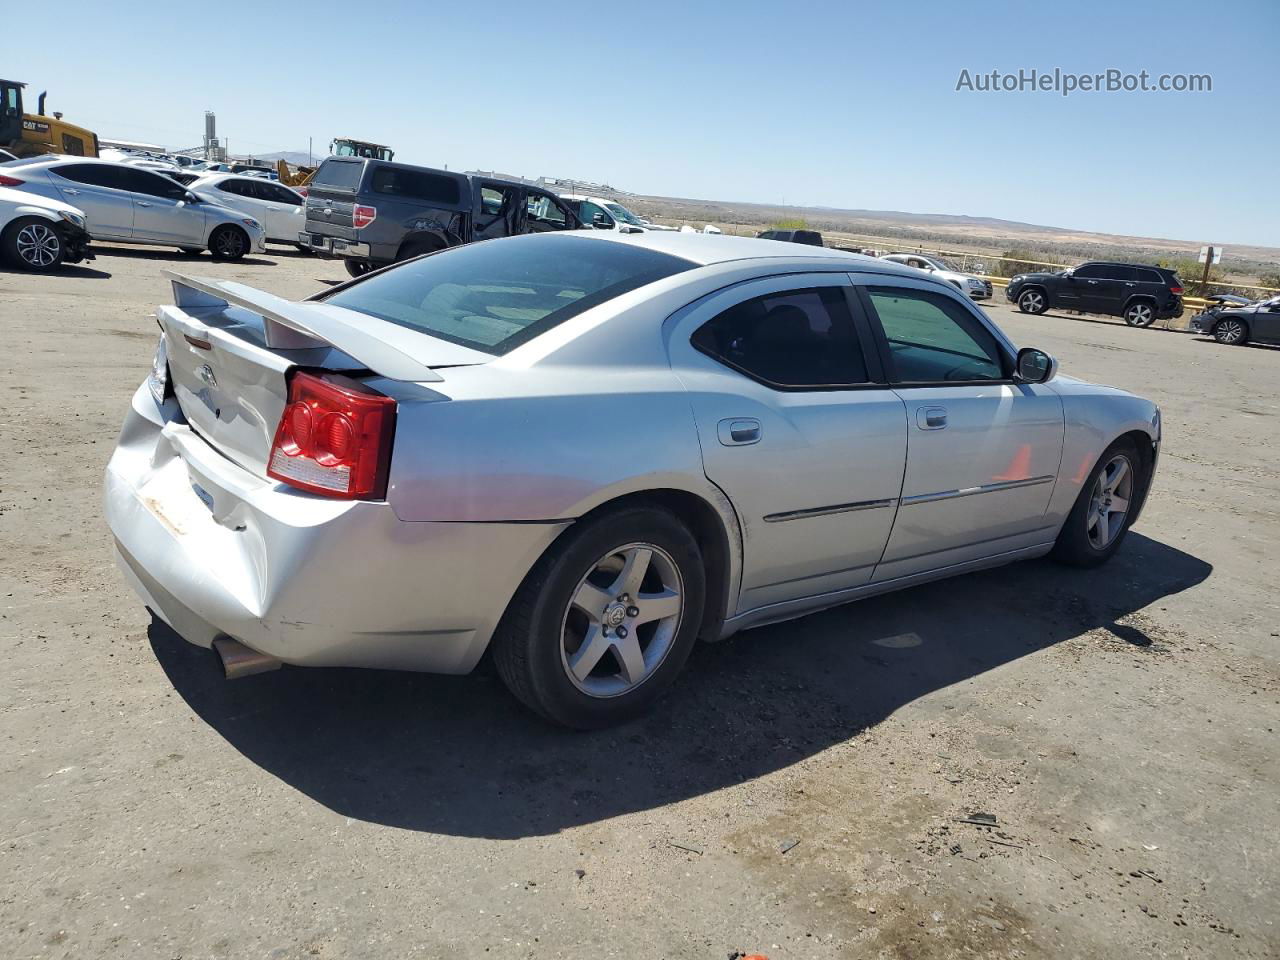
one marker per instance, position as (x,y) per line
(795,430)
(1107,287)
(982,451)
(495,214)
(161,213)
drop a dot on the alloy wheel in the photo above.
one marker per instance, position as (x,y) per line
(1109,502)
(1031,302)
(229,243)
(1140,315)
(1229,331)
(38,245)
(622,620)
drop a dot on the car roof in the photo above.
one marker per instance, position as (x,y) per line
(705,249)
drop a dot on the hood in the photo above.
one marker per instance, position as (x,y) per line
(25,199)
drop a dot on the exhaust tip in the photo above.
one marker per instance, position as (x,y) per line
(241,661)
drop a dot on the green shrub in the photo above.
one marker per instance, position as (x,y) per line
(796,223)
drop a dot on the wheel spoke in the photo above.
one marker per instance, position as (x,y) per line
(594,645)
(634,568)
(1104,528)
(630,657)
(1119,505)
(591,600)
(657,606)
(1121,469)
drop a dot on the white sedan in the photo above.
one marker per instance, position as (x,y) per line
(280,210)
(975,287)
(40,234)
(584,451)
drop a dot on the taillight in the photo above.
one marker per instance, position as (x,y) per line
(10,181)
(334,438)
(1176,291)
(302,191)
(362,216)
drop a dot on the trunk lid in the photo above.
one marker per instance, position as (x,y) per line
(230,349)
(331,198)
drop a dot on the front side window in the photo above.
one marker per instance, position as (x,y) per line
(796,338)
(1090,271)
(587,213)
(154,185)
(235,187)
(933,339)
(545,212)
(495,296)
(492,200)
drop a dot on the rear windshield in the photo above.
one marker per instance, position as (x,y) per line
(340,173)
(497,294)
(417,184)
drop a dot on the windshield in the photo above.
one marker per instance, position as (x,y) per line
(496,295)
(623,214)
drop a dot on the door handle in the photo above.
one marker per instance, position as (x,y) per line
(1092,283)
(143,203)
(739,431)
(931,418)
(74,193)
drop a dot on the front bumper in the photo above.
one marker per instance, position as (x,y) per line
(75,243)
(1203,322)
(334,246)
(981,293)
(215,550)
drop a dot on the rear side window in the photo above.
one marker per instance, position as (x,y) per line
(415,184)
(933,339)
(796,338)
(96,175)
(343,174)
(496,295)
(1149,276)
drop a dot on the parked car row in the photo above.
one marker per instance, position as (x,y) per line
(37,233)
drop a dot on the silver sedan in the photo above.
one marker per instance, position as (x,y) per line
(585,452)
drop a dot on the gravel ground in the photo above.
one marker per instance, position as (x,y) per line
(801,793)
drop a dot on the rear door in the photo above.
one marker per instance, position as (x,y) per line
(102,191)
(496,209)
(282,213)
(161,213)
(1108,291)
(983,452)
(545,213)
(795,429)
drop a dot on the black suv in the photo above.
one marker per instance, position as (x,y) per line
(375,212)
(812,237)
(1139,293)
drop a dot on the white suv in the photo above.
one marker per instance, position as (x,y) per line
(975,287)
(127,204)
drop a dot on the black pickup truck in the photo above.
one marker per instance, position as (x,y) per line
(375,212)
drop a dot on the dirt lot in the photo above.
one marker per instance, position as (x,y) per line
(800,794)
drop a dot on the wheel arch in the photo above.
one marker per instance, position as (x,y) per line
(718,537)
(1148,448)
(1038,287)
(1140,298)
(435,240)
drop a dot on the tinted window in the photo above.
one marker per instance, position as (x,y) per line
(237,187)
(1113,271)
(96,174)
(154,185)
(797,338)
(1149,276)
(344,174)
(431,187)
(1088,271)
(497,295)
(587,212)
(278,194)
(933,339)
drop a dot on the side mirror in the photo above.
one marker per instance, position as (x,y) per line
(191,197)
(1034,366)
(1068,273)
(601,222)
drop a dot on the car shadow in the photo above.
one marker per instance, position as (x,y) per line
(457,755)
(71,270)
(175,256)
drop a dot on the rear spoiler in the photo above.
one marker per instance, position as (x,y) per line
(293,326)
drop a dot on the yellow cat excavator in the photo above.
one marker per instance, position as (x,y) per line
(340,147)
(32,134)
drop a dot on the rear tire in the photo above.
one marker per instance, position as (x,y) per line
(1232,332)
(1033,301)
(605,620)
(228,242)
(33,243)
(357,268)
(1105,508)
(1140,314)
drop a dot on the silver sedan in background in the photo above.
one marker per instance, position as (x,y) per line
(585,452)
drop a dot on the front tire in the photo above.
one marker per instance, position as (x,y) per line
(1033,301)
(1104,510)
(1232,332)
(1140,314)
(605,620)
(33,244)
(357,268)
(228,242)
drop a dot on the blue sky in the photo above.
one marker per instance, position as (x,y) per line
(841,104)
